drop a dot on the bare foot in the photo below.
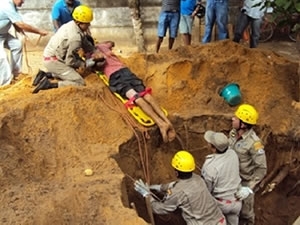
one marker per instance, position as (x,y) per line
(171,133)
(164,131)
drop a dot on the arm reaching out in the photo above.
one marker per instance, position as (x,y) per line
(21,27)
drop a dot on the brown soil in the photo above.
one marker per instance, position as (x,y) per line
(48,139)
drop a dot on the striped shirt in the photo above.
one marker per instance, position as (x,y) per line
(170,5)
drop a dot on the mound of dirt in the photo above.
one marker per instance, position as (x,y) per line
(48,139)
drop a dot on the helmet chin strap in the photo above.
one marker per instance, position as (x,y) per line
(240,126)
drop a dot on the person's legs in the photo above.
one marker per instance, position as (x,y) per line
(157,109)
(67,75)
(222,19)
(210,18)
(44,84)
(15,47)
(171,43)
(129,86)
(185,28)
(247,215)
(187,39)
(241,25)
(255,32)
(147,108)
(231,211)
(5,69)
(158,43)
(161,29)
(173,18)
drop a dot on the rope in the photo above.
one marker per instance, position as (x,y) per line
(25,39)
(143,150)
(26,57)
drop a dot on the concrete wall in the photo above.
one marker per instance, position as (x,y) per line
(111,19)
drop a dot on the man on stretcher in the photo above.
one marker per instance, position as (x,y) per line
(128,85)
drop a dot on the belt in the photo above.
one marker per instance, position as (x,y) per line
(227,201)
(50,58)
(173,11)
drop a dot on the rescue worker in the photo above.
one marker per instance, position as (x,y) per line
(10,17)
(220,172)
(59,57)
(250,150)
(189,193)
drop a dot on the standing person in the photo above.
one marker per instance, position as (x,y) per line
(189,193)
(9,16)
(222,176)
(59,58)
(168,20)
(62,12)
(216,12)
(128,85)
(188,10)
(250,150)
(251,13)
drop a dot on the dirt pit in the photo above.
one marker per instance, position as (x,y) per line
(49,139)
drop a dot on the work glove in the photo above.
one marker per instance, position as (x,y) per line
(89,63)
(243,193)
(141,188)
(156,187)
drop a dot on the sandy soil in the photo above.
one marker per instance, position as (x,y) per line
(48,139)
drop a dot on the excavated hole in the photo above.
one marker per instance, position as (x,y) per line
(280,206)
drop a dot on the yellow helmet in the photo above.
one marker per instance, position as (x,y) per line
(83,14)
(183,161)
(247,113)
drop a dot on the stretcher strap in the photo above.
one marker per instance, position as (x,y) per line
(131,102)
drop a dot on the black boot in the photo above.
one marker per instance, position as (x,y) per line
(49,75)
(44,85)
(40,75)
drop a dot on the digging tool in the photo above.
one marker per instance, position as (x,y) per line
(149,209)
(299,82)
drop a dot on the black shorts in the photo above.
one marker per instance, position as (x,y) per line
(123,80)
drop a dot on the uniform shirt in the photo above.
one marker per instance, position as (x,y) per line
(250,150)
(112,62)
(192,197)
(221,174)
(61,12)
(256,12)
(8,15)
(170,5)
(64,42)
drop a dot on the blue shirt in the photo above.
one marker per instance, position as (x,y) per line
(8,15)
(187,7)
(61,12)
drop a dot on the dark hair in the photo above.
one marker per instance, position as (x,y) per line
(221,152)
(184,175)
(90,39)
(248,126)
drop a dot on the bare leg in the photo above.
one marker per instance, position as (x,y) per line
(187,39)
(171,131)
(158,43)
(171,42)
(163,126)
(147,108)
